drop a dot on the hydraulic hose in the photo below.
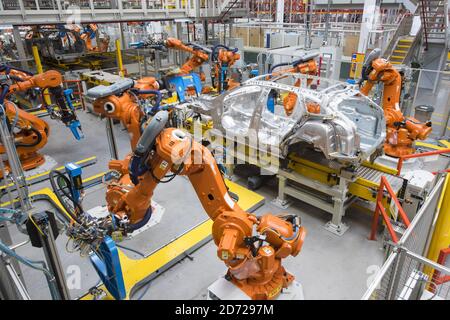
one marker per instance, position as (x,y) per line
(16,116)
(158,98)
(35,143)
(25,261)
(146,142)
(154,128)
(130,249)
(282,64)
(14,216)
(17,79)
(7,68)
(214,50)
(5,90)
(57,189)
(143,222)
(38,134)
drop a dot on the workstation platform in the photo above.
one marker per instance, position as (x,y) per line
(186,215)
(312,180)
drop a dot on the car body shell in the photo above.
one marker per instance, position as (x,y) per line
(350,127)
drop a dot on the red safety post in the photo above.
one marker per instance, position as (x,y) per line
(441,171)
(418,155)
(384,184)
(437,279)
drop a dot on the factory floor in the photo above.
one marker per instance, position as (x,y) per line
(328,267)
(440,100)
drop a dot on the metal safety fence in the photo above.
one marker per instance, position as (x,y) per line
(406,273)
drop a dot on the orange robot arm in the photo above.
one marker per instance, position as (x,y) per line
(49,79)
(86,36)
(198,55)
(125,108)
(228,57)
(308,67)
(52,81)
(252,247)
(383,71)
(31,137)
(33,131)
(19,74)
(401,131)
(224,58)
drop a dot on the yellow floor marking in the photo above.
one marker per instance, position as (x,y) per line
(446,143)
(428,145)
(46,173)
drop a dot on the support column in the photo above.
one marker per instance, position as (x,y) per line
(336,225)
(179,35)
(91,6)
(20,48)
(327,24)
(281,200)
(197,9)
(280,11)
(205,31)
(121,35)
(369,19)
(119,59)
(308,25)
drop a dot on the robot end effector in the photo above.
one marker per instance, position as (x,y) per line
(52,81)
(66,112)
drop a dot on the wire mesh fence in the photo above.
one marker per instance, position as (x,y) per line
(417,280)
(406,274)
(416,238)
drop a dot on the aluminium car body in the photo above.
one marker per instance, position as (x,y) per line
(349,128)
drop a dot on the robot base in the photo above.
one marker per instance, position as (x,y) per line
(33,164)
(222,289)
(158,212)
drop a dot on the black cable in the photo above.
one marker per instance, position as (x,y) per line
(57,189)
(283,64)
(170,176)
(180,168)
(35,143)
(130,249)
(16,79)
(146,285)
